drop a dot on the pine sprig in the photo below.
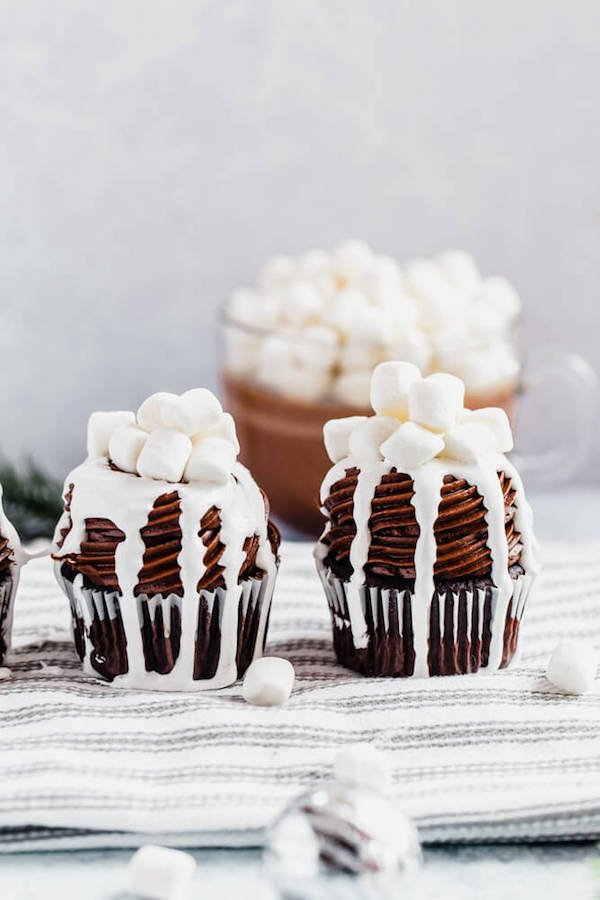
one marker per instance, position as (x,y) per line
(31,498)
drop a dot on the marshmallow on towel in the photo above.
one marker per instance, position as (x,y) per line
(469,442)
(368,436)
(411,446)
(363,765)
(125,445)
(390,383)
(164,455)
(336,435)
(436,401)
(572,667)
(496,420)
(268,681)
(100,427)
(160,873)
(211,460)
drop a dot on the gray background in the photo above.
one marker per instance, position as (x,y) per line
(153,154)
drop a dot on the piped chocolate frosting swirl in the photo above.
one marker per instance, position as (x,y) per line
(162,537)
(460,530)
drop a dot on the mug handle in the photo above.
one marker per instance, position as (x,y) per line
(565,458)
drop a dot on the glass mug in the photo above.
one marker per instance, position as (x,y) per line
(281,437)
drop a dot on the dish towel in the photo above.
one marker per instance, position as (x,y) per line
(475,757)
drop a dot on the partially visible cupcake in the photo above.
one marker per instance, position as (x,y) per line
(165,548)
(11,559)
(428,555)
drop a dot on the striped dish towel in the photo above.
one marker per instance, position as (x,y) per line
(477,757)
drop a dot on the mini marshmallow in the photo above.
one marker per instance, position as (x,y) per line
(242,351)
(211,461)
(268,681)
(276,271)
(300,382)
(413,347)
(363,765)
(164,455)
(150,413)
(436,401)
(314,263)
(372,325)
(353,388)
(366,439)
(317,347)
(191,412)
(125,446)
(5,673)
(411,446)
(469,442)
(357,355)
(347,305)
(276,350)
(243,306)
(100,427)
(460,270)
(497,421)
(160,873)
(389,388)
(425,278)
(351,258)
(302,303)
(572,666)
(336,435)
(224,428)
(500,295)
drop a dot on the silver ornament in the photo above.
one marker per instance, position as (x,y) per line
(341,837)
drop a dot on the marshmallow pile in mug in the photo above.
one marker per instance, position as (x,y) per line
(327,319)
(417,419)
(173,438)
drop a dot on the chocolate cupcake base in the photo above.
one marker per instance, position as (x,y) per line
(100,632)
(8,589)
(462,623)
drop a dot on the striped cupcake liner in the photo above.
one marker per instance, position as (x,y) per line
(459,636)
(101,639)
(8,589)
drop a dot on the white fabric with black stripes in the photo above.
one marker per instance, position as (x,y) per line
(481,757)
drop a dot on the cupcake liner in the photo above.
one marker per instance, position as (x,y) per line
(105,648)
(460,629)
(8,589)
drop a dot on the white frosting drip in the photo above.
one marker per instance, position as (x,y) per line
(428,480)
(127,500)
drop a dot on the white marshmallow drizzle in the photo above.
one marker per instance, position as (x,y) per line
(428,480)
(127,501)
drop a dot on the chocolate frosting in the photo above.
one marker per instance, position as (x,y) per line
(460,530)
(160,572)
(6,556)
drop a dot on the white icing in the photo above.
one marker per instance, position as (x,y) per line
(127,500)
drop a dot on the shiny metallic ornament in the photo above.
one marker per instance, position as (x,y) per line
(339,837)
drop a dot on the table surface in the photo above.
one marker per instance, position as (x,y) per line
(491,871)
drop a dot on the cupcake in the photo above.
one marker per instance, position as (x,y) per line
(11,559)
(165,549)
(428,555)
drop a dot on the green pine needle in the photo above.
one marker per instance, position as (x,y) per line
(31,498)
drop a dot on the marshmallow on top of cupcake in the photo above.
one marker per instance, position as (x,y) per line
(422,498)
(165,537)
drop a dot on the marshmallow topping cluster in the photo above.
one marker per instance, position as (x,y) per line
(172,438)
